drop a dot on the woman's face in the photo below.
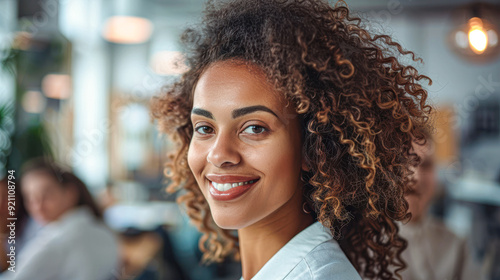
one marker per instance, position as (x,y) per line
(426,181)
(246,151)
(46,200)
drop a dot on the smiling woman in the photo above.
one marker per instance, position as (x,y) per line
(295,128)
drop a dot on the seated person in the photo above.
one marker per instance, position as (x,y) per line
(74,243)
(434,252)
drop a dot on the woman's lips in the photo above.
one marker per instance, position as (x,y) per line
(228,187)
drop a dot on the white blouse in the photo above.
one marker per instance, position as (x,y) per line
(76,247)
(312,254)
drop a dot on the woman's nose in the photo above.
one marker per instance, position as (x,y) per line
(224,152)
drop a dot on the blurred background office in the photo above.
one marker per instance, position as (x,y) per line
(76,77)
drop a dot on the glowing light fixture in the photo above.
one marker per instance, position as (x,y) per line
(57,86)
(127,30)
(477,39)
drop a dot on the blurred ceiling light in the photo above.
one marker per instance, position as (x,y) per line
(475,37)
(57,86)
(168,63)
(33,102)
(127,30)
(478,40)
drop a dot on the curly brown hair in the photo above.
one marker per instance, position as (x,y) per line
(360,107)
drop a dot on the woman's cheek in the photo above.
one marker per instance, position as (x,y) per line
(280,162)
(194,158)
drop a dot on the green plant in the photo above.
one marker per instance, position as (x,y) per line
(6,133)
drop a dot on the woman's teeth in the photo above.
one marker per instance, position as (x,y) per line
(227,186)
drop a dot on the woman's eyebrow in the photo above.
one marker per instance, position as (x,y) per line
(247,110)
(235,113)
(202,112)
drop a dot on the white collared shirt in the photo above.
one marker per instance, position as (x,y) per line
(312,254)
(76,247)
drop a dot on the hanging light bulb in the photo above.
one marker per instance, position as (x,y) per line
(478,39)
(475,37)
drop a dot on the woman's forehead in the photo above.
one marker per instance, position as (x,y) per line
(233,73)
(38,178)
(237,84)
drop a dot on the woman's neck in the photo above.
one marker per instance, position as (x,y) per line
(260,241)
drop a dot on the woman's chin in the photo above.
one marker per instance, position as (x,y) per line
(230,222)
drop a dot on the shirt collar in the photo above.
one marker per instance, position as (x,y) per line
(293,252)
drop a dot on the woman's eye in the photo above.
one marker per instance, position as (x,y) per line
(204,129)
(255,129)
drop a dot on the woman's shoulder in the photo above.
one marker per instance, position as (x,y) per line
(312,254)
(324,260)
(327,260)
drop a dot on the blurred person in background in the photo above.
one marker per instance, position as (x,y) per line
(73,243)
(434,252)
